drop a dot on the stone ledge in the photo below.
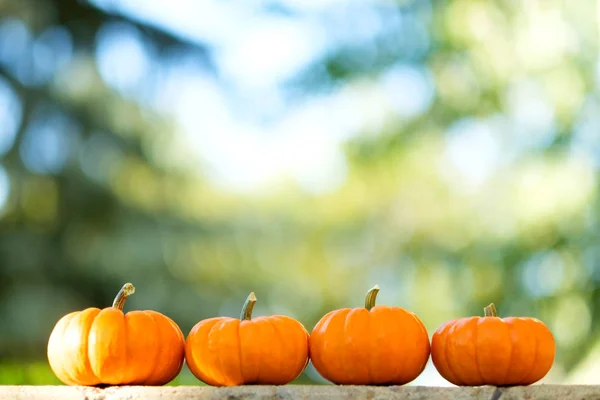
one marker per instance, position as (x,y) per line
(553,392)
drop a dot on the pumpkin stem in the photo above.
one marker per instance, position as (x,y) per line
(246,314)
(371,297)
(490,311)
(127,290)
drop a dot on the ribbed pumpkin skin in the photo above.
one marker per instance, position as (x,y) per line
(264,350)
(383,346)
(106,347)
(493,351)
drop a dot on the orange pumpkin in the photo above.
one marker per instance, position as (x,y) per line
(106,347)
(226,351)
(374,345)
(493,351)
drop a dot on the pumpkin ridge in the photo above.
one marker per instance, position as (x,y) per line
(301,332)
(512,350)
(402,367)
(227,352)
(537,342)
(316,355)
(67,328)
(215,361)
(127,355)
(87,361)
(273,325)
(219,359)
(306,337)
(327,353)
(61,336)
(193,361)
(300,328)
(259,369)
(182,341)
(252,379)
(99,359)
(450,369)
(439,340)
(239,340)
(371,341)
(87,349)
(157,335)
(475,335)
(308,352)
(426,334)
(344,348)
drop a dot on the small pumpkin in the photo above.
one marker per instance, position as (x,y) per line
(495,351)
(374,345)
(107,347)
(225,351)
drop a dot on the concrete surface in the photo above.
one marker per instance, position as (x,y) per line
(566,392)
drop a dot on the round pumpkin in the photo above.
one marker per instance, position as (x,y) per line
(225,351)
(374,345)
(495,351)
(107,347)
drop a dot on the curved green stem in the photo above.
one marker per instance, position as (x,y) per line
(371,297)
(490,311)
(127,290)
(246,314)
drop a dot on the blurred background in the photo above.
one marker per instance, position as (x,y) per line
(304,150)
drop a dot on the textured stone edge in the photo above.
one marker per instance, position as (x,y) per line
(570,392)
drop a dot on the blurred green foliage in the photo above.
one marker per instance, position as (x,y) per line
(515,88)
